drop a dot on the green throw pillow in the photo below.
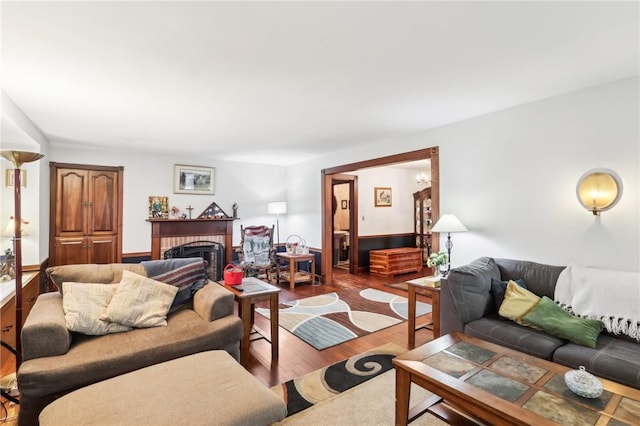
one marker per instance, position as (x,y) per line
(554,320)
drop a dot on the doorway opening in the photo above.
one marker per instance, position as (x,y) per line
(338,175)
(344,190)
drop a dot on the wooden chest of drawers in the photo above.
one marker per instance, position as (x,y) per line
(395,261)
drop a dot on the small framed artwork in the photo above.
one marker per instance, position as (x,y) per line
(158,207)
(10,175)
(344,204)
(382,196)
(193,179)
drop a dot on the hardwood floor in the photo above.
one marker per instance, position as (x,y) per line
(296,356)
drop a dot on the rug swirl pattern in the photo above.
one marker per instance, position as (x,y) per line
(333,318)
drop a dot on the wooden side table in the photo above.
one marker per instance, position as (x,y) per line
(434,293)
(255,290)
(295,275)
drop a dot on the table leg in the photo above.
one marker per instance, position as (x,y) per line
(403,390)
(245,314)
(277,269)
(313,271)
(435,313)
(273,305)
(292,273)
(412,317)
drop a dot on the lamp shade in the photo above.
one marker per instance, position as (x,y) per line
(448,223)
(277,207)
(9,230)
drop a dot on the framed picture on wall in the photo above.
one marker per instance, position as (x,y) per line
(344,204)
(193,179)
(382,196)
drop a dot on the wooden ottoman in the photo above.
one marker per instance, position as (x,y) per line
(208,388)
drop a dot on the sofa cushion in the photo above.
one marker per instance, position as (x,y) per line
(613,358)
(514,336)
(91,273)
(541,279)
(550,317)
(140,302)
(517,303)
(85,304)
(499,287)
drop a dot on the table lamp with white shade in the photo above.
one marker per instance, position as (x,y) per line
(448,223)
(277,208)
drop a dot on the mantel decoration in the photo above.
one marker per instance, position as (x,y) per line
(18,158)
(193,180)
(382,197)
(213,212)
(158,207)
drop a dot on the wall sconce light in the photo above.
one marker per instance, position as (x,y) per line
(599,190)
(422,178)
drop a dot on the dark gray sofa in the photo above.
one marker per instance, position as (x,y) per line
(467,306)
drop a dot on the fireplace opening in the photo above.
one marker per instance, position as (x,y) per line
(212,252)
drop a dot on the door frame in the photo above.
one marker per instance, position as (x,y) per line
(352,181)
(328,176)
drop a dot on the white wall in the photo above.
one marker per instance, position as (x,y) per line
(17,132)
(510,177)
(397,219)
(251,186)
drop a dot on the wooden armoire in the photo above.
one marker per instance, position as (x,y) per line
(86,214)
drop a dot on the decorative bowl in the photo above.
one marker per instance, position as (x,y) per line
(583,383)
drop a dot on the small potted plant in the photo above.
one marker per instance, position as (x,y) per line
(439,261)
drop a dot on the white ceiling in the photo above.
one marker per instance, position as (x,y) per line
(287,81)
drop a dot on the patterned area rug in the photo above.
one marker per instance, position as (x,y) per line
(306,391)
(330,319)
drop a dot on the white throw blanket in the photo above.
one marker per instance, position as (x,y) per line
(612,297)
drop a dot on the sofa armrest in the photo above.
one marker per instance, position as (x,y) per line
(213,301)
(45,332)
(465,294)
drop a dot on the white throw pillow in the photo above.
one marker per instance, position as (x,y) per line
(84,305)
(140,301)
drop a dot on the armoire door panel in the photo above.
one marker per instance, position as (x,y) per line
(71,202)
(104,202)
(70,251)
(102,249)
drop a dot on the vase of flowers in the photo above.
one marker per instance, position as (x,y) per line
(439,261)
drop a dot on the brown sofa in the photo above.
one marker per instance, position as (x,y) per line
(56,361)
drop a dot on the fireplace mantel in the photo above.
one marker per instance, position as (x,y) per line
(171,228)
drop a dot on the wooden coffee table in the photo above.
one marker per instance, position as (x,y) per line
(477,381)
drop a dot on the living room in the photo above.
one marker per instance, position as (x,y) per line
(549,104)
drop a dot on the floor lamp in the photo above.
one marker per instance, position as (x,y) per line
(448,223)
(277,208)
(18,158)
